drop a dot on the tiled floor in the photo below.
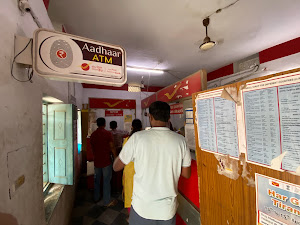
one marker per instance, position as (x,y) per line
(86,212)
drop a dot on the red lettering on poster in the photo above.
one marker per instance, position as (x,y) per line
(113,113)
(176,108)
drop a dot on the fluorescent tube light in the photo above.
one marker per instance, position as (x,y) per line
(51,99)
(145,70)
(134,88)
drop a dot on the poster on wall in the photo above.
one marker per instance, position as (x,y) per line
(127,118)
(271,111)
(111,112)
(127,122)
(217,124)
(277,202)
(176,108)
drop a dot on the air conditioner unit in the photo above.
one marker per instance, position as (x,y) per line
(67,57)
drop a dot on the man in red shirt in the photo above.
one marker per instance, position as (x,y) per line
(103,147)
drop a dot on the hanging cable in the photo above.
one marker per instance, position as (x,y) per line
(254,70)
(220,9)
(168,71)
(29,74)
(158,63)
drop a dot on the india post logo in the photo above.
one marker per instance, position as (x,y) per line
(61,54)
(85,66)
(275,184)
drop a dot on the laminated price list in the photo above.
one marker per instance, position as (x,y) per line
(217,125)
(272,121)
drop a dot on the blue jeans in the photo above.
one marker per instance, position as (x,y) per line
(106,172)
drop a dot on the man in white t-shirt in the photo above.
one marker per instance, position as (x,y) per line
(160,156)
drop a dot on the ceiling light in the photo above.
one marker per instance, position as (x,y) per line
(137,69)
(134,88)
(50,99)
(207,43)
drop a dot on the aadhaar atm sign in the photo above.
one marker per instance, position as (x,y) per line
(67,57)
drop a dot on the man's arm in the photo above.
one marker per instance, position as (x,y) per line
(186,172)
(118,164)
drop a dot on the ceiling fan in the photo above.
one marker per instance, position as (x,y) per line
(207,43)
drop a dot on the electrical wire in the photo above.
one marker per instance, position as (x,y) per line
(168,71)
(149,76)
(219,10)
(29,74)
(255,69)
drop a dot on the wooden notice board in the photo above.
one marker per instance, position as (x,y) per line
(227,183)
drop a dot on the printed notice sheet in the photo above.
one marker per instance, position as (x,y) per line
(217,124)
(277,202)
(289,104)
(272,120)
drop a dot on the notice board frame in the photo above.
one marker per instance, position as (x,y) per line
(231,201)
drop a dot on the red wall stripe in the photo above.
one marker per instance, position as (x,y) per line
(46,2)
(224,71)
(275,52)
(111,103)
(279,51)
(123,88)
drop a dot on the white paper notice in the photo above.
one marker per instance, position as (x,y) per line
(190,136)
(206,124)
(289,102)
(226,124)
(217,124)
(272,120)
(262,125)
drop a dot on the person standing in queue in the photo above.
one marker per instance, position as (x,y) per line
(118,135)
(160,156)
(102,147)
(129,169)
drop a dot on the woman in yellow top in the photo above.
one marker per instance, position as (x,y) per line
(129,172)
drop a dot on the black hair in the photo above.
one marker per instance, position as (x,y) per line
(101,122)
(160,111)
(113,125)
(171,126)
(136,126)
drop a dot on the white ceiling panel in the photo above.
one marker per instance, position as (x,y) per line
(167,34)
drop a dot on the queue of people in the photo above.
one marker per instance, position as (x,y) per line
(153,160)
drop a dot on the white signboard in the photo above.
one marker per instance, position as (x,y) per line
(277,201)
(67,57)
